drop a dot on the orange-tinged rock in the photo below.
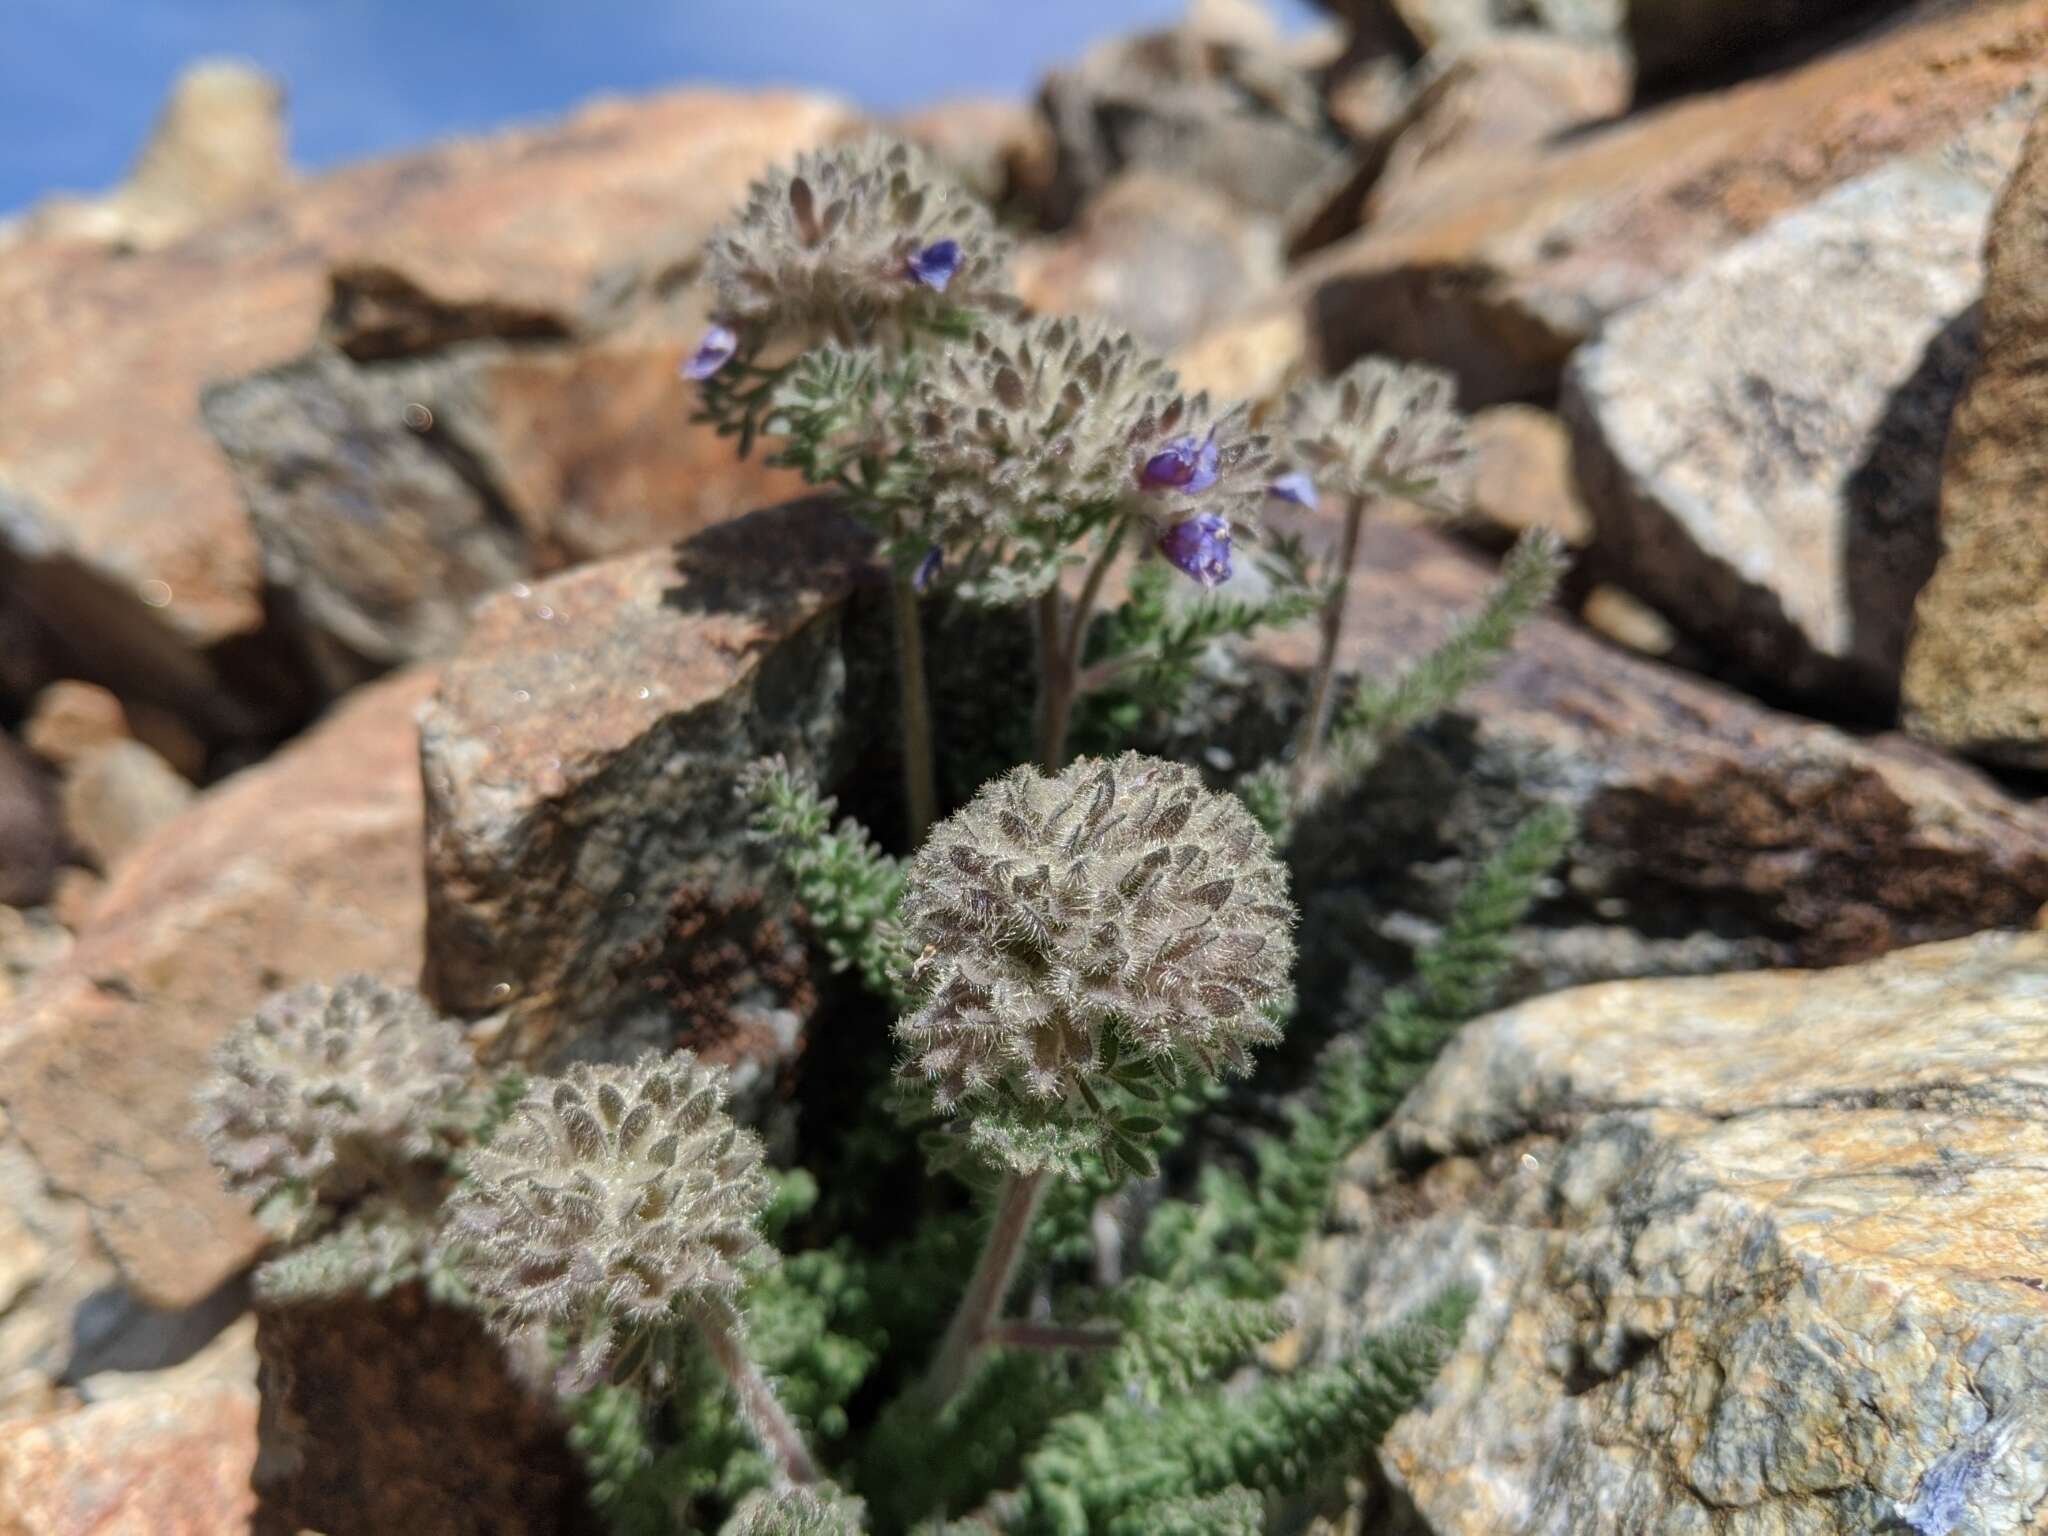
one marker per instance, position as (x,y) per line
(127,523)
(1498,270)
(304,867)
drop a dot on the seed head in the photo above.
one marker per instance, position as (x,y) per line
(1383,428)
(328,1092)
(613,1200)
(1115,923)
(849,244)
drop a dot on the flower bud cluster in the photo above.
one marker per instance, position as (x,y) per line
(615,1199)
(1383,428)
(1115,925)
(329,1092)
(1028,431)
(850,243)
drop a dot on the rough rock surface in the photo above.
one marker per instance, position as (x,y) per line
(161,1453)
(399,1415)
(218,148)
(1753,1254)
(1715,834)
(1977,663)
(116,795)
(1163,257)
(1522,477)
(121,527)
(1506,267)
(587,864)
(1775,491)
(390,496)
(70,719)
(1208,103)
(29,841)
(302,868)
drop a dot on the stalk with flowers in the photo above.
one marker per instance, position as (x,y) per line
(1080,960)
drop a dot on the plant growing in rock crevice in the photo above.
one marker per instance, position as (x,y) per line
(1081,960)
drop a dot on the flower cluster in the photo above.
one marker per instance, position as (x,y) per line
(1031,432)
(849,243)
(1382,428)
(329,1092)
(615,1200)
(1118,924)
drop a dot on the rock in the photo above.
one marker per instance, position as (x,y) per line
(29,941)
(399,1415)
(590,880)
(1494,97)
(71,719)
(1220,106)
(1258,358)
(1629,621)
(1441,23)
(121,529)
(1714,834)
(1675,39)
(1002,151)
(218,148)
(1752,1253)
(1502,268)
(116,795)
(1775,491)
(302,868)
(164,1454)
(29,836)
(1976,676)
(1522,478)
(74,894)
(1163,258)
(1469,103)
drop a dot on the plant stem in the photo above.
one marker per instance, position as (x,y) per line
(920,786)
(1091,589)
(1055,685)
(1022,1335)
(975,1318)
(759,1405)
(1322,691)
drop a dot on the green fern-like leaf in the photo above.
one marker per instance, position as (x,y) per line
(846,883)
(1377,712)
(1233,1512)
(1097,1468)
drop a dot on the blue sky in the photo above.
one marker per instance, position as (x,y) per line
(80,80)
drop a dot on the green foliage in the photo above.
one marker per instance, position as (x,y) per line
(1378,711)
(1148,652)
(1176,1341)
(847,885)
(1096,1468)
(1233,1512)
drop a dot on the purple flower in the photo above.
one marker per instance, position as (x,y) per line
(1185,464)
(928,569)
(713,353)
(1298,487)
(934,265)
(1200,547)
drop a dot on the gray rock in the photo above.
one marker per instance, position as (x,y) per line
(1760,444)
(1715,834)
(28,828)
(1753,1254)
(1208,105)
(592,887)
(118,793)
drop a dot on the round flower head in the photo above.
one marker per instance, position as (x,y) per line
(328,1092)
(613,1200)
(813,1510)
(847,242)
(1115,925)
(1382,428)
(1032,431)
